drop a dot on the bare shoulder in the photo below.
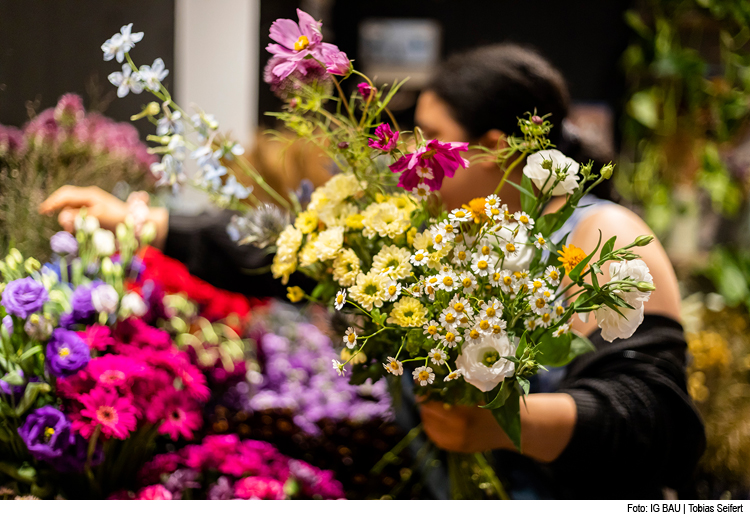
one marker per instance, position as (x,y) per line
(615,220)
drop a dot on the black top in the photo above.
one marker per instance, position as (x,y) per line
(637,430)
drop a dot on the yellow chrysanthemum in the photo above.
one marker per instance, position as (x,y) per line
(295,294)
(329,243)
(385,220)
(571,256)
(408,312)
(308,255)
(307,222)
(393,261)
(369,290)
(282,269)
(404,203)
(354,221)
(422,240)
(346,267)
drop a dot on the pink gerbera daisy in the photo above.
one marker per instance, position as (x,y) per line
(114,371)
(178,413)
(97,337)
(106,409)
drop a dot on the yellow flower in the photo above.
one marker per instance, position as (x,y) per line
(404,203)
(408,312)
(571,256)
(295,294)
(329,242)
(346,267)
(307,222)
(346,354)
(392,261)
(354,221)
(385,220)
(370,290)
(308,255)
(476,206)
(411,235)
(422,240)
(282,268)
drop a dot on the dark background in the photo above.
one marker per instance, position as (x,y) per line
(49,48)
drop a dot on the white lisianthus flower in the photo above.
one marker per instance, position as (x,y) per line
(560,164)
(483,363)
(104,242)
(524,252)
(613,325)
(132,304)
(105,299)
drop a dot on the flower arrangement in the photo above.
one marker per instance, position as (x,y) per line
(223,467)
(86,383)
(479,297)
(61,145)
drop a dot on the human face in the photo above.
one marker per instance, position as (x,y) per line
(434,117)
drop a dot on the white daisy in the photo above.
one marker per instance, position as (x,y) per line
(540,242)
(431,329)
(510,247)
(524,220)
(394,366)
(545,319)
(449,319)
(558,310)
(453,375)
(552,274)
(460,215)
(416,289)
(425,173)
(536,284)
(440,238)
(461,255)
(448,280)
(499,327)
(496,212)
(492,201)
(560,330)
(506,281)
(421,191)
(491,310)
(424,376)
(473,335)
(340,299)
(461,305)
(450,339)
(338,366)
(539,304)
(392,291)
(350,337)
(468,282)
(437,356)
(448,228)
(483,265)
(484,326)
(419,258)
(530,324)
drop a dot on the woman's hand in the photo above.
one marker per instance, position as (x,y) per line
(108,209)
(461,428)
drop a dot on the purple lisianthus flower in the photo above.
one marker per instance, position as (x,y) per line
(63,243)
(387,138)
(66,353)
(366,89)
(47,434)
(23,297)
(336,61)
(8,324)
(82,305)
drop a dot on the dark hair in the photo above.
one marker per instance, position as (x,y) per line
(490,87)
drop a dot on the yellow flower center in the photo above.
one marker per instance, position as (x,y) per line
(491,201)
(486,250)
(424,375)
(507,280)
(450,337)
(419,257)
(392,290)
(460,214)
(491,311)
(459,307)
(474,334)
(559,310)
(302,43)
(438,238)
(554,275)
(537,284)
(496,329)
(448,281)
(546,317)
(462,255)
(64,351)
(433,280)
(394,365)
(449,318)
(523,219)
(339,298)
(466,282)
(541,303)
(495,211)
(482,264)
(48,432)
(541,241)
(448,228)
(484,325)
(547,294)
(351,338)
(430,290)
(510,247)
(432,329)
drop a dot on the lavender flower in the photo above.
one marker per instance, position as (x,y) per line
(8,324)
(63,243)
(22,297)
(66,353)
(222,490)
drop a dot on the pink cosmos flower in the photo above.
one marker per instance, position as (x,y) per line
(295,42)
(115,414)
(155,492)
(336,61)
(365,89)
(113,371)
(430,164)
(179,415)
(97,337)
(259,488)
(388,138)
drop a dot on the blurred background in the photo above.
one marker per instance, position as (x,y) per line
(662,87)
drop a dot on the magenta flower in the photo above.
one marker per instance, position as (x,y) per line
(259,488)
(113,371)
(387,138)
(336,61)
(115,414)
(295,41)
(155,492)
(430,164)
(178,414)
(97,337)
(365,89)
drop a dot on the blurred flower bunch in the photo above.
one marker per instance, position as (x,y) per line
(86,383)
(472,295)
(223,467)
(61,145)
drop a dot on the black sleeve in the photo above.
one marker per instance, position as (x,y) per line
(637,430)
(201,242)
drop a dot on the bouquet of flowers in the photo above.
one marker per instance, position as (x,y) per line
(223,468)
(87,384)
(477,298)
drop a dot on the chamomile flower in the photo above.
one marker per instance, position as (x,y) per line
(369,290)
(468,282)
(437,356)
(419,258)
(340,299)
(539,304)
(506,281)
(392,261)
(536,284)
(421,192)
(392,291)
(492,201)
(461,306)
(350,337)
(561,330)
(450,339)
(496,212)
(449,318)
(473,335)
(545,319)
(552,274)
(338,367)
(453,376)
(540,242)
(530,324)
(394,366)
(448,228)
(448,280)
(558,310)
(430,291)
(484,326)
(524,220)
(425,173)
(491,310)
(483,265)
(510,247)
(424,376)
(461,256)
(431,329)
(440,237)
(460,215)
(415,289)
(499,327)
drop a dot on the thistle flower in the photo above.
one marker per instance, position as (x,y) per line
(261,227)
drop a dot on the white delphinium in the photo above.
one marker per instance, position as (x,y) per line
(234,189)
(121,43)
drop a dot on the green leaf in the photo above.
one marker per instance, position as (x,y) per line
(553,350)
(608,246)
(29,397)
(580,345)
(526,193)
(509,418)
(506,389)
(30,352)
(528,199)
(12,378)
(575,273)
(525,385)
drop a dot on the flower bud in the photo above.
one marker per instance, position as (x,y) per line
(122,231)
(107,266)
(295,294)
(547,164)
(607,171)
(343,145)
(645,286)
(31,265)
(148,233)
(537,120)
(15,255)
(104,242)
(644,240)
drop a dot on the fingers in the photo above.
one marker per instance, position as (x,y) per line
(67,218)
(68,196)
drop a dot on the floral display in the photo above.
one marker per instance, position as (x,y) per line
(62,145)
(479,297)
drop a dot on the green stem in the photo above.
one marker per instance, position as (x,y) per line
(508,171)
(491,476)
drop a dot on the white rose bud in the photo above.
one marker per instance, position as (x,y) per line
(105,299)
(132,304)
(104,242)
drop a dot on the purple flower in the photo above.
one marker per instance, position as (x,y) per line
(295,42)
(13,390)
(336,61)
(366,90)
(308,71)
(63,243)
(82,305)
(69,110)
(8,324)
(49,437)
(181,480)
(66,353)
(387,138)
(11,140)
(222,490)
(23,297)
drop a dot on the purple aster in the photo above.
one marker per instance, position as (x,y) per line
(222,490)
(66,353)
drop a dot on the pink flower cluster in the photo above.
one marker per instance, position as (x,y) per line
(144,379)
(247,469)
(430,164)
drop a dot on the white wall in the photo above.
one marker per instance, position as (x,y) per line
(216,55)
